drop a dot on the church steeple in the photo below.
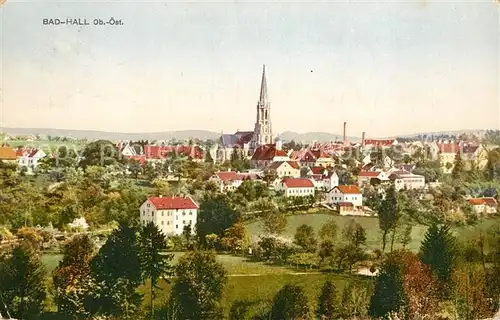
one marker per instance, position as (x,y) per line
(263,133)
(263,87)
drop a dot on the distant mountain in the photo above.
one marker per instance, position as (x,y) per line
(91,135)
(314,136)
(203,134)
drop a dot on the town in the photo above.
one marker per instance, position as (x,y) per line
(250,226)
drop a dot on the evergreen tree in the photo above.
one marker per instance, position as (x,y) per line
(199,286)
(22,278)
(388,214)
(116,274)
(327,302)
(215,216)
(389,295)
(72,276)
(458,167)
(155,264)
(438,252)
(290,303)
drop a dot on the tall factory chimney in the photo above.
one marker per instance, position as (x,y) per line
(345,136)
(363,139)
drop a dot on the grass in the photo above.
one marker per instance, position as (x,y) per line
(373,234)
(259,291)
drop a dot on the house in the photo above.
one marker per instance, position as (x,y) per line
(407,180)
(28,158)
(323,178)
(285,169)
(312,158)
(372,177)
(169,214)
(296,187)
(227,180)
(8,155)
(449,149)
(346,193)
(266,154)
(485,205)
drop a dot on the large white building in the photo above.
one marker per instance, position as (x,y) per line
(407,180)
(296,187)
(346,194)
(170,214)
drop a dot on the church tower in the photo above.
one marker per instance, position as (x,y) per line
(263,130)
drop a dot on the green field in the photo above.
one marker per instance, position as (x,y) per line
(259,290)
(370,224)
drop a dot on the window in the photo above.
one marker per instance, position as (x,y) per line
(162,222)
(177,226)
(190,213)
(152,213)
(143,213)
(162,213)
(148,205)
(183,213)
(176,217)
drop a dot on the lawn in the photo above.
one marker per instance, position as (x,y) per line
(259,291)
(370,224)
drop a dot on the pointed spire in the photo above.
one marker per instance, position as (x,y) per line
(263,87)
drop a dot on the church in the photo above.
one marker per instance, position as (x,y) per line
(249,141)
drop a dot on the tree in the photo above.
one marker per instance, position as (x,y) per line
(100,153)
(155,264)
(328,308)
(199,286)
(438,251)
(22,279)
(274,222)
(389,296)
(235,238)
(458,167)
(355,298)
(290,302)
(305,238)
(215,216)
(388,215)
(72,276)
(354,233)
(116,274)
(326,250)
(328,230)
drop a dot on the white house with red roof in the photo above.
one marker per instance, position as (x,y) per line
(266,154)
(228,180)
(29,157)
(296,187)
(323,178)
(346,194)
(169,214)
(485,205)
(448,150)
(312,158)
(366,177)
(285,169)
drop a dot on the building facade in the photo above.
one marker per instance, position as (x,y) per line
(169,214)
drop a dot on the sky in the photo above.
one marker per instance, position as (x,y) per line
(385,68)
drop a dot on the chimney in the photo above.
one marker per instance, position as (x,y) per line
(363,139)
(345,137)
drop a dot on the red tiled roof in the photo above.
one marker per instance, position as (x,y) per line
(317,170)
(267,152)
(297,183)
(27,152)
(228,175)
(486,201)
(369,173)
(352,189)
(448,147)
(7,153)
(379,142)
(166,203)
(161,152)
(275,165)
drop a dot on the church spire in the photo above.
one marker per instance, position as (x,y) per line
(263,87)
